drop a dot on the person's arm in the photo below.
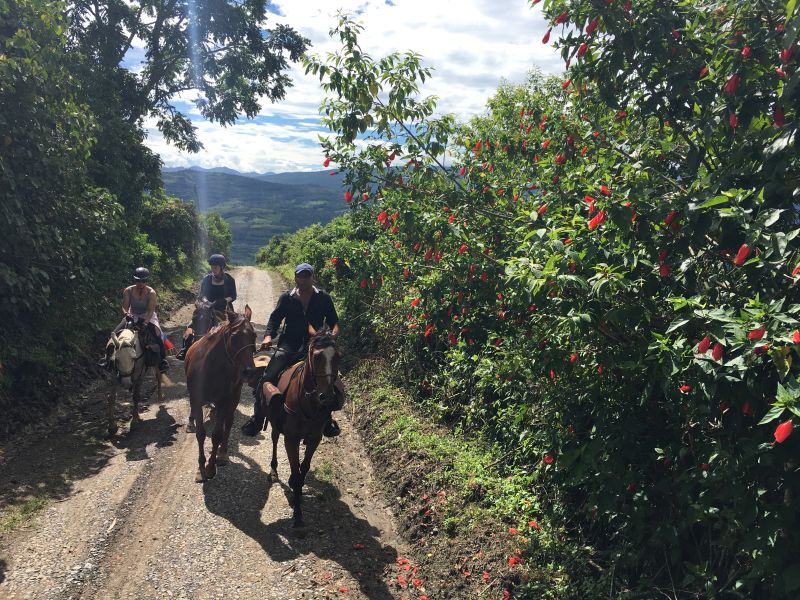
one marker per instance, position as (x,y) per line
(126,301)
(274,321)
(151,306)
(205,288)
(230,287)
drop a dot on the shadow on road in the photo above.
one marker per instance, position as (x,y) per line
(160,431)
(333,532)
(2,570)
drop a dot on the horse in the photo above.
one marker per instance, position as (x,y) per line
(216,367)
(310,392)
(204,318)
(132,359)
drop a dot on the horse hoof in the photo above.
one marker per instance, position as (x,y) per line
(222,459)
(190,428)
(211,471)
(199,478)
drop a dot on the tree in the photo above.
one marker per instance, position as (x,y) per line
(215,234)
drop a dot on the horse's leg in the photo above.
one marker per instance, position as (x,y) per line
(200,434)
(311,447)
(292,445)
(273,470)
(222,457)
(216,440)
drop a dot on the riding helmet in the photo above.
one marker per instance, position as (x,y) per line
(217,259)
(141,274)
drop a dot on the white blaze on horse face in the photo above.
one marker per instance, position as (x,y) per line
(126,350)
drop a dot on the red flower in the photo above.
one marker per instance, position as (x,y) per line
(796,270)
(462,248)
(741,255)
(382,217)
(723,406)
(746,52)
(535,525)
(796,337)
(363,283)
(597,220)
(402,580)
(589,200)
(406,273)
(566,83)
(546,37)
(747,409)
(513,531)
(552,377)
(662,256)
(592,26)
(560,159)
(628,6)
(604,190)
(732,84)
(344,590)
(582,49)
(542,209)
(514,560)
(704,467)
(676,35)
(702,347)
(670,217)
(685,389)
(327,162)
(759,350)
(562,18)
(573,358)
(549,459)
(486,576)
(334,261)
(703,72)
(786,55)
(780,72)
(664,270)
(415,302)
(718,352)
(783,431)
(756,334)
(348,197)
(733,120)
(778,117)
(358,546)
(545,144)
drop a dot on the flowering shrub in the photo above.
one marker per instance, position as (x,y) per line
(601,274)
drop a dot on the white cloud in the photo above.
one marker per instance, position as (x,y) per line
(472,45)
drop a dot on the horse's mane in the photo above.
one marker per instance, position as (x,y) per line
(322,339)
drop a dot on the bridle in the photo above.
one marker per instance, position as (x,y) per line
(136,357)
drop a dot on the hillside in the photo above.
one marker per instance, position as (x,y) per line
(258,207)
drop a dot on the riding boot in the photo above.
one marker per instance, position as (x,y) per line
(187,343)
(163,365)
(331,428)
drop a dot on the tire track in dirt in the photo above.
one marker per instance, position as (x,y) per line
(131,523)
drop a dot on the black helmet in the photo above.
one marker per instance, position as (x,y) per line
(141,274)
(217,259)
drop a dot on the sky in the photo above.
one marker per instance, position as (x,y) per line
(472,46)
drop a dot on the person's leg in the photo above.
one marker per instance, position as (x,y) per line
(188,340)
(279,361)
(155,331)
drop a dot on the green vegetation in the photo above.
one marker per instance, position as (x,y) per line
(19,514)
(80,195)
(602,286)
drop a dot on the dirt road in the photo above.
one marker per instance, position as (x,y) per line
(124,519)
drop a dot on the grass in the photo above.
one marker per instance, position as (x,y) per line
(17,515)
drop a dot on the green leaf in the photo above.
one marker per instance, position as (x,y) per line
(774,413)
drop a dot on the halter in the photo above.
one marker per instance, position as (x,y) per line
(136,357)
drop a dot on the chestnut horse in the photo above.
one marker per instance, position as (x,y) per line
(204,318)
(216,367)
(310,393)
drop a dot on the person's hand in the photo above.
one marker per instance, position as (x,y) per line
(266,343)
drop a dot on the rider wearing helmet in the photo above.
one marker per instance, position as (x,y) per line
(139,304)
(219,288)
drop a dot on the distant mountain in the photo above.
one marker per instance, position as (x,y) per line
(258,206)
(215,170)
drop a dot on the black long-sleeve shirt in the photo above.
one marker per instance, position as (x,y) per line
(218,293)
(290,309)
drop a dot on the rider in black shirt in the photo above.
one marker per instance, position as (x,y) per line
(304,310)
(217,287)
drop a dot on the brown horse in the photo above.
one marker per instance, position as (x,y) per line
(216,367)
(204,318)
(310,393)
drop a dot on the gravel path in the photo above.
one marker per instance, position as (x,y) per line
(126,520)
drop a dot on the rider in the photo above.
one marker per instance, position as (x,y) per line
(304,310)
(217,287)
(139,304)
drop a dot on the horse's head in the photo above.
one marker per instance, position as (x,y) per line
(242,343)
(323,358)
(203,317)
(127,350)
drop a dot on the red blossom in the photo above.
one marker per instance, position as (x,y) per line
(552,374)
(462,171)
(561,18)
(592,26)
(723,406)
(670,217)
(560,159)
(796,337)
(546,37)
(566,83)
(382,217)
(746,52)
(664,270)
(786,55)
(718,352)
(549,459)
(348,197)
(704,344)
(756,334)
(703,72)
(762,349)
(686,389)
(747,409)
(542,209)
(604,190)
(780,72)
(358,546)
(704,467)
(778,117)
(741,255)
(597,220)
(733,120)
(783,431)
(796,270)
(415,302)
(582,49)
(545,144)
(486,576)
(732,84)
(344,590)
(514,560)
(327,162)
(573,358)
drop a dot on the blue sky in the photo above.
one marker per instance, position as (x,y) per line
(472,45)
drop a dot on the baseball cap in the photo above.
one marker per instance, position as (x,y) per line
(303,267)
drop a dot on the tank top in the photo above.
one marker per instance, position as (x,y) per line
(138,305)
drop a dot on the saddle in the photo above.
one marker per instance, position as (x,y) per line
(152,353)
